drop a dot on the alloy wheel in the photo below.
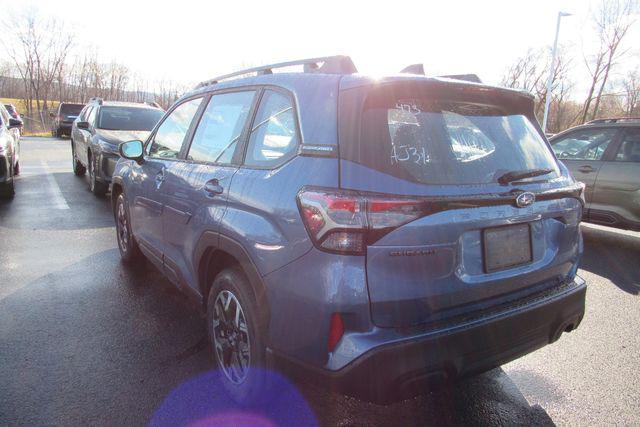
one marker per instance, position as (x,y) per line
(231,337)
(123,230)
(92,179)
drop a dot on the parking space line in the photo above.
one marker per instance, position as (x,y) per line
(57,199)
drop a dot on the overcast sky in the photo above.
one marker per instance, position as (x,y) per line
(189,41)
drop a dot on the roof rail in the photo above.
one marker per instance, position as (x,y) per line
(614,120)
(338,64)
(466,77)
(96,99)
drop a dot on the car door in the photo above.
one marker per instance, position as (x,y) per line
(12,136)
(616,195)
(162,150)
(82,137)
(76,134)
(196,190)
(582,151)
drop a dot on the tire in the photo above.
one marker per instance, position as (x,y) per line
(249,383)
(98,188)
(78,168)
(129,250)
(7,190)
(16,168)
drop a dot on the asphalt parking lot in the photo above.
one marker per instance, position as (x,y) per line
(84,340)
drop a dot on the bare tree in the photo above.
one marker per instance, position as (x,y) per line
(612,20)
(38,47)
(631,93)
(530,73)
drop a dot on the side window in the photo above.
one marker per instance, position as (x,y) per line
(91,117)
(5,117)
(220,127)
(274,136)
(585,144)
(83,114)
(630,148)
(168,139)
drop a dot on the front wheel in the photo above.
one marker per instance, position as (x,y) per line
(7,190)
(127,245)
(78,168)
(236,333)
(96,187)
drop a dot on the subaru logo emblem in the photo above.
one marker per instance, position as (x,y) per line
(525,199)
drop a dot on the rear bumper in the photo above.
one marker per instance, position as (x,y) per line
(397,370)
(64,127)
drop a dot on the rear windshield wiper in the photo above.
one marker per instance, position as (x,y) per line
(518,175)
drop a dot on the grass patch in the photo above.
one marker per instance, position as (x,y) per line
(21,106)
(37,133)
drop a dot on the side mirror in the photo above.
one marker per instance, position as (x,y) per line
(51,115)
(83,125)
(132,150)
(15,123)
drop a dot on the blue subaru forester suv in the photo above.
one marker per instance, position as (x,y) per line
(376,234)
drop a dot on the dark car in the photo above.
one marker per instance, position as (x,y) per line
(373,234)
(605,155)
(9,151)
(100,127)
(63,118)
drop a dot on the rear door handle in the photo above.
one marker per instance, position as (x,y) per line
(586,169)
(213,187)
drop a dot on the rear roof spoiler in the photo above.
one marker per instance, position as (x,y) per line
(418,69)
(466,77)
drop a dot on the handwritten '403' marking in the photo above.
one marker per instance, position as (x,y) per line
(408,153)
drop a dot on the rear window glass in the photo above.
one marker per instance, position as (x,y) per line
(128,118)
(71,108)
(433,141)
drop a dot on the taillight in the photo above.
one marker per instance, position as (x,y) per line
(346,221)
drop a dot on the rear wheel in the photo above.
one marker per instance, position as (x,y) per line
(7,190)
(96,187)
(236,334)
(127,245)
(78,168)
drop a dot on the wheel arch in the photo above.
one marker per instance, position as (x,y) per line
(214,253)
(116,190)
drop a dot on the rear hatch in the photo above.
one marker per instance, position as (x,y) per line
(477,212)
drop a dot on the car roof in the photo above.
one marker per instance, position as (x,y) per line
(125,104)
(313,90)
(302,81)
(599,124)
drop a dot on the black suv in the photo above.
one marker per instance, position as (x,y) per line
(63,118)
(605,155)
(100,128)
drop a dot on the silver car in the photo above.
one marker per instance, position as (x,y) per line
(9,151)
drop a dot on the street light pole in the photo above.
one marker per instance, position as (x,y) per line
(552,71)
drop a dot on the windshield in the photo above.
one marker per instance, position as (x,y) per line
(71,109)
(128,118)
(449,142)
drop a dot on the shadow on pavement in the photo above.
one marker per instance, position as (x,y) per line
(614,255)
(100,343)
